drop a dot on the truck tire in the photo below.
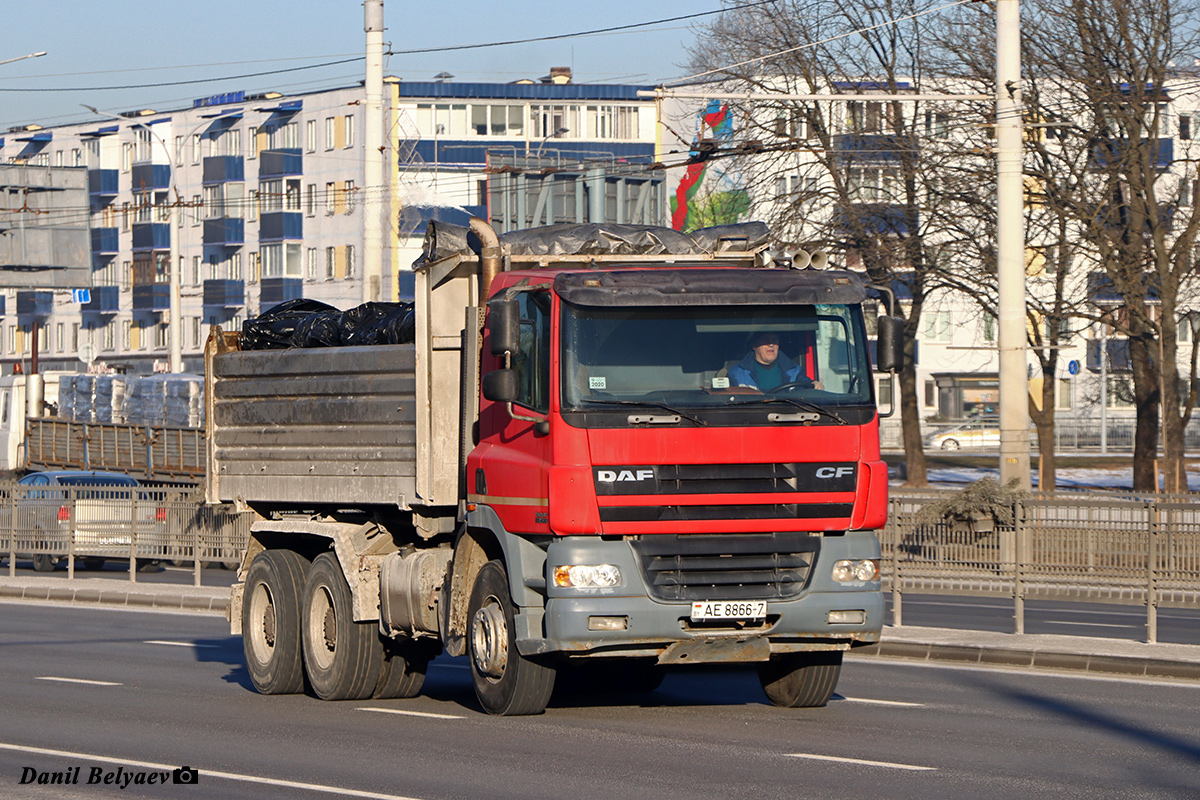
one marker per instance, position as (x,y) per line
(506,682)
(801,680)
(271,621)
(44,562)
(404,665)
(342,658)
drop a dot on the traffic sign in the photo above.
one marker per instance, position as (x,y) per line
(1073,367)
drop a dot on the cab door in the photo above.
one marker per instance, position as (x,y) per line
(511,473)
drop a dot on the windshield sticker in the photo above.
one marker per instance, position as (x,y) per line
(720,383)
(597,383)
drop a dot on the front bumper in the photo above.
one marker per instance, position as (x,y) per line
(663,628)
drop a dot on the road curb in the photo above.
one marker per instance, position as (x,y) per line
(190,599)
(1126,665)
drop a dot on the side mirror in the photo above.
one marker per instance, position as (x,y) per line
(503,327)
(500,385)
(889,350)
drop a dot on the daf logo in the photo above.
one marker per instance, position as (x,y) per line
(613,476)
(834,472)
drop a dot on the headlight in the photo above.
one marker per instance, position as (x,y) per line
(587,576)
(866,569)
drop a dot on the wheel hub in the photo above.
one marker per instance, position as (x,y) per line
(268,624)
(330,630)
(489,639)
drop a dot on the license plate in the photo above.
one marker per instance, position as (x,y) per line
(728,609)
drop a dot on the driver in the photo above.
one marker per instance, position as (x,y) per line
(766,368)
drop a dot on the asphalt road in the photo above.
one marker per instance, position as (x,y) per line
(171,690)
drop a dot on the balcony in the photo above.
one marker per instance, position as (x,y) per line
(224,231)
(151,297)
(151,236)
(280,163)
(880,219)
(224,294)
(148,176)
(1118,355)
(105,241)
(280,290)
(35,304)
(1111,152)
(104,300)
(223,169)
(868,148)
(103,183)
(275,226)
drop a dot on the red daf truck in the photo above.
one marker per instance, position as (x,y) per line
(572,469)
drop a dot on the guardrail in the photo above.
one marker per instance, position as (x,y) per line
(1123,549)
(138,524)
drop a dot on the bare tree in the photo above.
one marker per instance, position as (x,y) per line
(864,177)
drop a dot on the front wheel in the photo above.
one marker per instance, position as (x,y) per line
(506,682)
(271,621)
(342,657)
(950,444)
(801,680)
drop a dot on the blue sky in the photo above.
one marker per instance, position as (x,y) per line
(93,44)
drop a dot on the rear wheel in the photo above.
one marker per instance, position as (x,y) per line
(342,658)
(506,682)
(801,680)
(93,563)
(44,562)
(271,621)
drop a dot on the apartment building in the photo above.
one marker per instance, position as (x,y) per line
(260,198)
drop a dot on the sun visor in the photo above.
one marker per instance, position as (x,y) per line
(671,287)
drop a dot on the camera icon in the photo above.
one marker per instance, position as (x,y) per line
(185,775)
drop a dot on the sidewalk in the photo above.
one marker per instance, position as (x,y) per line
(944,645)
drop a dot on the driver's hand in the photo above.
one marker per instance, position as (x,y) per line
(818,385)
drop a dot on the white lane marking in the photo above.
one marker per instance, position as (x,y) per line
(207,773)
(879,702)
(1087,624)
(889,662)
(864,762)
(79,680)
(410,713)
(179,644)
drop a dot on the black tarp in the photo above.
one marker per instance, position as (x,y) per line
(310,323)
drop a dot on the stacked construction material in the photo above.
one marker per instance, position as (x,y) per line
(166,400)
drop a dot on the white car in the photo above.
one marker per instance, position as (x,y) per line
(975,434)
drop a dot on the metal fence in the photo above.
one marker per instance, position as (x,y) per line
(1071,435)
(1125,549)
(91,525)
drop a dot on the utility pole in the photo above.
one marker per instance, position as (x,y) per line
(373,201)
(1010,249)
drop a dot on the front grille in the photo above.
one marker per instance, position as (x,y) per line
(670,479)
(773,566)
(721,512)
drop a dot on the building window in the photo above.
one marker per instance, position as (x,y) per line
(1185,127)
(195,333)
(310,135)
(989,328)
(348,188)
(310,199)
(196,261)
(330,199)
(330,132)
(349,130)
(930,394)
(252,132)
(1064,393)
(330,262)
(937,326)
(350,265)
(281,260)
(110,335)
(311,265)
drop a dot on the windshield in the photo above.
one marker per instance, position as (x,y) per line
(714,357)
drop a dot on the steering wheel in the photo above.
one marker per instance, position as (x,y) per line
(804,384)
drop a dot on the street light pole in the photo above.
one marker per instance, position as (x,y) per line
(1010,249)
(174,323)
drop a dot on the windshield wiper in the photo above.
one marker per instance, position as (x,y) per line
(801,404)
(654,403)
